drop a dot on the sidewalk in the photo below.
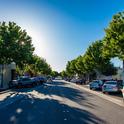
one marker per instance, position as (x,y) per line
(3,90)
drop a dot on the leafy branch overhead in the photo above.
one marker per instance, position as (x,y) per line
(16,45)
(98,55)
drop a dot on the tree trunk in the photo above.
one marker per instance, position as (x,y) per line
(123,66)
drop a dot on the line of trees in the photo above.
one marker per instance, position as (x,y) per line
(16,45)
(96,59)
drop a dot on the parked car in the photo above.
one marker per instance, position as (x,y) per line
(58,78)
(49,80)
(80,81)
(36,80)
(42,79)
(120,83)
(111,86)
(73,80)
(25,82)
(13,84)
(68,79)
(96,84)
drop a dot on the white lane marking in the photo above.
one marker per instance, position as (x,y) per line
(19,110)
(13,119)
(65,119)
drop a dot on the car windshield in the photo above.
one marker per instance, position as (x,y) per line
(111,82)
(25,79)
(95,81)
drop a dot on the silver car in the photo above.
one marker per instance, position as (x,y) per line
(96,84)
(111,86)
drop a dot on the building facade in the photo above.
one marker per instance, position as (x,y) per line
(6,74)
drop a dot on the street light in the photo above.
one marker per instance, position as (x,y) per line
(13,65)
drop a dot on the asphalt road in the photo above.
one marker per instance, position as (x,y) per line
(58,103)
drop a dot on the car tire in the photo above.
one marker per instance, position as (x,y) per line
(103,92)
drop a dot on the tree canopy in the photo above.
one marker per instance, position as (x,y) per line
(98,55)
(114,37)
(16,45)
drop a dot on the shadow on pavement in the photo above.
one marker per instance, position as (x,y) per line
(32,110)
(38,106)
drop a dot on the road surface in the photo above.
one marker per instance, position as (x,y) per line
(57,102)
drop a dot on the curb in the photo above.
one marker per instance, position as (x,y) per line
(103,96)
(5,91)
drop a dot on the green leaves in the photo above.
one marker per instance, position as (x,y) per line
(16,45)
(92,61)
(114,37)
(98,54)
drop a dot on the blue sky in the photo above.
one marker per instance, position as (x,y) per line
(61,29)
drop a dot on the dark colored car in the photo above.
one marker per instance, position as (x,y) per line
(36,80)
(80,81)
(25,82)
(13,84)
(42,80)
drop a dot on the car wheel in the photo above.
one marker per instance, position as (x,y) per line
(20,85)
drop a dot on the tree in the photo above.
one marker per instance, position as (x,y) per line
(63,74)
(80,68)
(114,38)
(15,44)
(54,74)
(71,68)
(94,59)
(39,65)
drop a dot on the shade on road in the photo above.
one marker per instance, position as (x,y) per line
(58,103)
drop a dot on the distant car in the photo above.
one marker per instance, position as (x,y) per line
(13,84)
(80,81)
(68,79)
(111,86)
(49,80)
(42,79)
(58,78)
(96,84)
(25,82)
(73,80)
(36,80)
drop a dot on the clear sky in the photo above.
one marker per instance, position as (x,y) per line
(61,29)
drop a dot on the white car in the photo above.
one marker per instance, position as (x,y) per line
(111,86)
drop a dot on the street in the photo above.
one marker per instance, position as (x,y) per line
(57,102)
